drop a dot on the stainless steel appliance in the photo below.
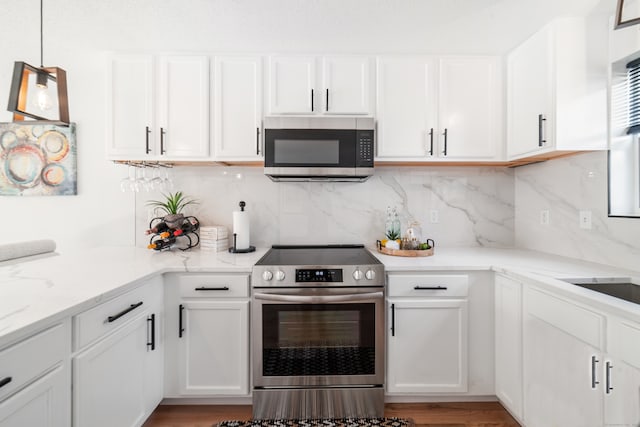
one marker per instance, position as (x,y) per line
(318,333)
(318,149)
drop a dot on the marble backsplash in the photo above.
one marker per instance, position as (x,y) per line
(565,187)
(475,206)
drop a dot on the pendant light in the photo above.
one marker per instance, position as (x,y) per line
(39,93)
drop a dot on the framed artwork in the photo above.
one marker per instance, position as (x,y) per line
(38,159)
(627,13)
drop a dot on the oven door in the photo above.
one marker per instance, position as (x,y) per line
(319,336)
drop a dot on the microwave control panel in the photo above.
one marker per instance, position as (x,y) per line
(365,148)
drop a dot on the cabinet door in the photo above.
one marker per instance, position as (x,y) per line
(558,378)
(292,85)
(183,130)
(406,108)
(46,402)
(130,107)
(508,344)
(346,85)
(529,95)
(621,385)
(427,346)
(109,378)
(214,353)
(469,109)
(237,108)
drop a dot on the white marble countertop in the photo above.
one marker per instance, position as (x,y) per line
(37,292)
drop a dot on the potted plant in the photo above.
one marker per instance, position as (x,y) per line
(172,205)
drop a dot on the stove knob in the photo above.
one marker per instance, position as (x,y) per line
(357,275)
(267,275)
(280,275)
(370,274)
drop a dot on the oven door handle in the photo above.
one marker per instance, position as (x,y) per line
(318,299)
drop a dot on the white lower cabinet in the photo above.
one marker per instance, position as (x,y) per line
(117,379)
(35,387)
(43,403)
(427,333)
(508,344)
(208,335)
(621,373)
(563,359)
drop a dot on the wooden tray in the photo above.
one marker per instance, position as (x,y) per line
(406,252)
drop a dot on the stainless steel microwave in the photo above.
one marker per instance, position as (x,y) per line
(318,149)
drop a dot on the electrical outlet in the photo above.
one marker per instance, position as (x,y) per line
(544,217)
(434,217)
(585,220)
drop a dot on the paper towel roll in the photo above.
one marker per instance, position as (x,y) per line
(241,229)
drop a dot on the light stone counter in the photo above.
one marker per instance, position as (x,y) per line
(35,293)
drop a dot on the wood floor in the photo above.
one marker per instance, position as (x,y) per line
(468,414)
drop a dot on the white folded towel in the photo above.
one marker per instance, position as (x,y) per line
(24,249)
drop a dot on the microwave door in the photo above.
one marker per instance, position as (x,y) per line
(309,148)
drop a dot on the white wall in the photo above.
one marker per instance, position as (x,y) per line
(78,33)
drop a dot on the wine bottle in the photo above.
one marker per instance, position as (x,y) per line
(158,228)
(162,244)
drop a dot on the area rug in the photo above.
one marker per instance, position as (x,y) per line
(336,422)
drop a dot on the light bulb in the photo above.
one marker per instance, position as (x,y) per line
(43,99)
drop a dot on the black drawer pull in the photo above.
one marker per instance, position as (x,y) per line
(5,381)
(430,288)
(123,312)
(152,319)
(204,288)
(180,325)
(393,320)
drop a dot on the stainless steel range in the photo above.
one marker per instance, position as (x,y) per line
(318,333)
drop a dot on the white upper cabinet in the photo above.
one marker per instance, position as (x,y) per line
(406,110)
(470,113)
(309,85)
(158,107)
(557,91)
(439,109)
(237,108)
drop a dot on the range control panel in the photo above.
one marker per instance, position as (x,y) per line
(318,275)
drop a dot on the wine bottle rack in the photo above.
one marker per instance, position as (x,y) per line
(183,237)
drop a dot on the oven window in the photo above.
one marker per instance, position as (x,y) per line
(318,339)
(308,151)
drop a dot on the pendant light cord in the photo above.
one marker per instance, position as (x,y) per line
(41,36)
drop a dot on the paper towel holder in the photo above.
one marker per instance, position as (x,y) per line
(234,248)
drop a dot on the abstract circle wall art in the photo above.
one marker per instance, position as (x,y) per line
(38,160)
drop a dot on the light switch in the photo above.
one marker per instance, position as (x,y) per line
(585,220)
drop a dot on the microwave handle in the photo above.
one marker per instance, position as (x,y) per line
(317,299)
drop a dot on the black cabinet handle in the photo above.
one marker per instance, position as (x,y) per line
(593,372)
(431,142)
(123,312)
(204,288)
(5,381)
(541,139)
(162,133)
(180,325)
(257,141)
(445,141)
(152,319)
(393,320)
(327,103)
(311,99)
(430,288)
(608,378)
(148,149)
